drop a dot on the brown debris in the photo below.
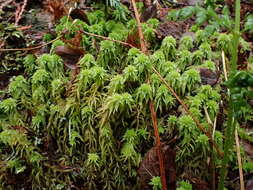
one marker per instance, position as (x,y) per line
(79,14)
(199,184)
(69,55)
(56,8)
(248,148)
(208,76)
(246,6)
(171,28)
(133,39)
(150,12)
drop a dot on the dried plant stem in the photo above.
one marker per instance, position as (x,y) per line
(151,105)
(239,160)
(158,146)
(20,12)
(5,4)
(106,38)
(212,164)
(208,134)
(32,48)
(224,65)
(141,36)
(207,116)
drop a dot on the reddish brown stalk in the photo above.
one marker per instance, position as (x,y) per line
(4,4)
(158,146)
(87,33)
(141,36)
(189,113)
(151,105)
(106,38)
(20,12)
(32,48)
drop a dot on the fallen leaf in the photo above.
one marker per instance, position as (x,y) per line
(150,12)
(79,14)
(150,167)
(208,76)
(69,55)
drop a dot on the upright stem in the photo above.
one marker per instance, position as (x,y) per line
(227,147)
(230,130)
(236,36)
(141,36)
(152,110)
(239,160)
(158,146)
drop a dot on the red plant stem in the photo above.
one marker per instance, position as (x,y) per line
(158,146)
(5,4)
(106,38)
(207,133)
(141,36)
(151,105)
(32,48)
(20,12)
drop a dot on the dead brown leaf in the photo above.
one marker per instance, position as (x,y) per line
(150,167)
(69,55)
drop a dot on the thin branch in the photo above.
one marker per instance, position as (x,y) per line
(20,12)
(151,105)
(137,16)
(106,38)
(239,160)
(224,65)
(32,48)
(5,4)
(208,134)
(158,146)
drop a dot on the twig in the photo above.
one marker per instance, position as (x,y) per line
(20,12)
(151,105)
(208,134)
(207,116)
(106,38)
(158,146)
(212,165)
(137,16)
(239,160)
(224,65)
(5,4)
(32,48)
(214,126)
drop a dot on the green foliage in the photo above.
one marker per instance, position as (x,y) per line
(249,23)
(240,85)
(156,183)
(60,129)
(169,47)
(186,42)
(184,186)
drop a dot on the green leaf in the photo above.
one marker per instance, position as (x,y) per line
(248,26)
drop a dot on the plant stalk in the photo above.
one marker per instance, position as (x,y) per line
(158,146)
(230,131)
(236,36)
